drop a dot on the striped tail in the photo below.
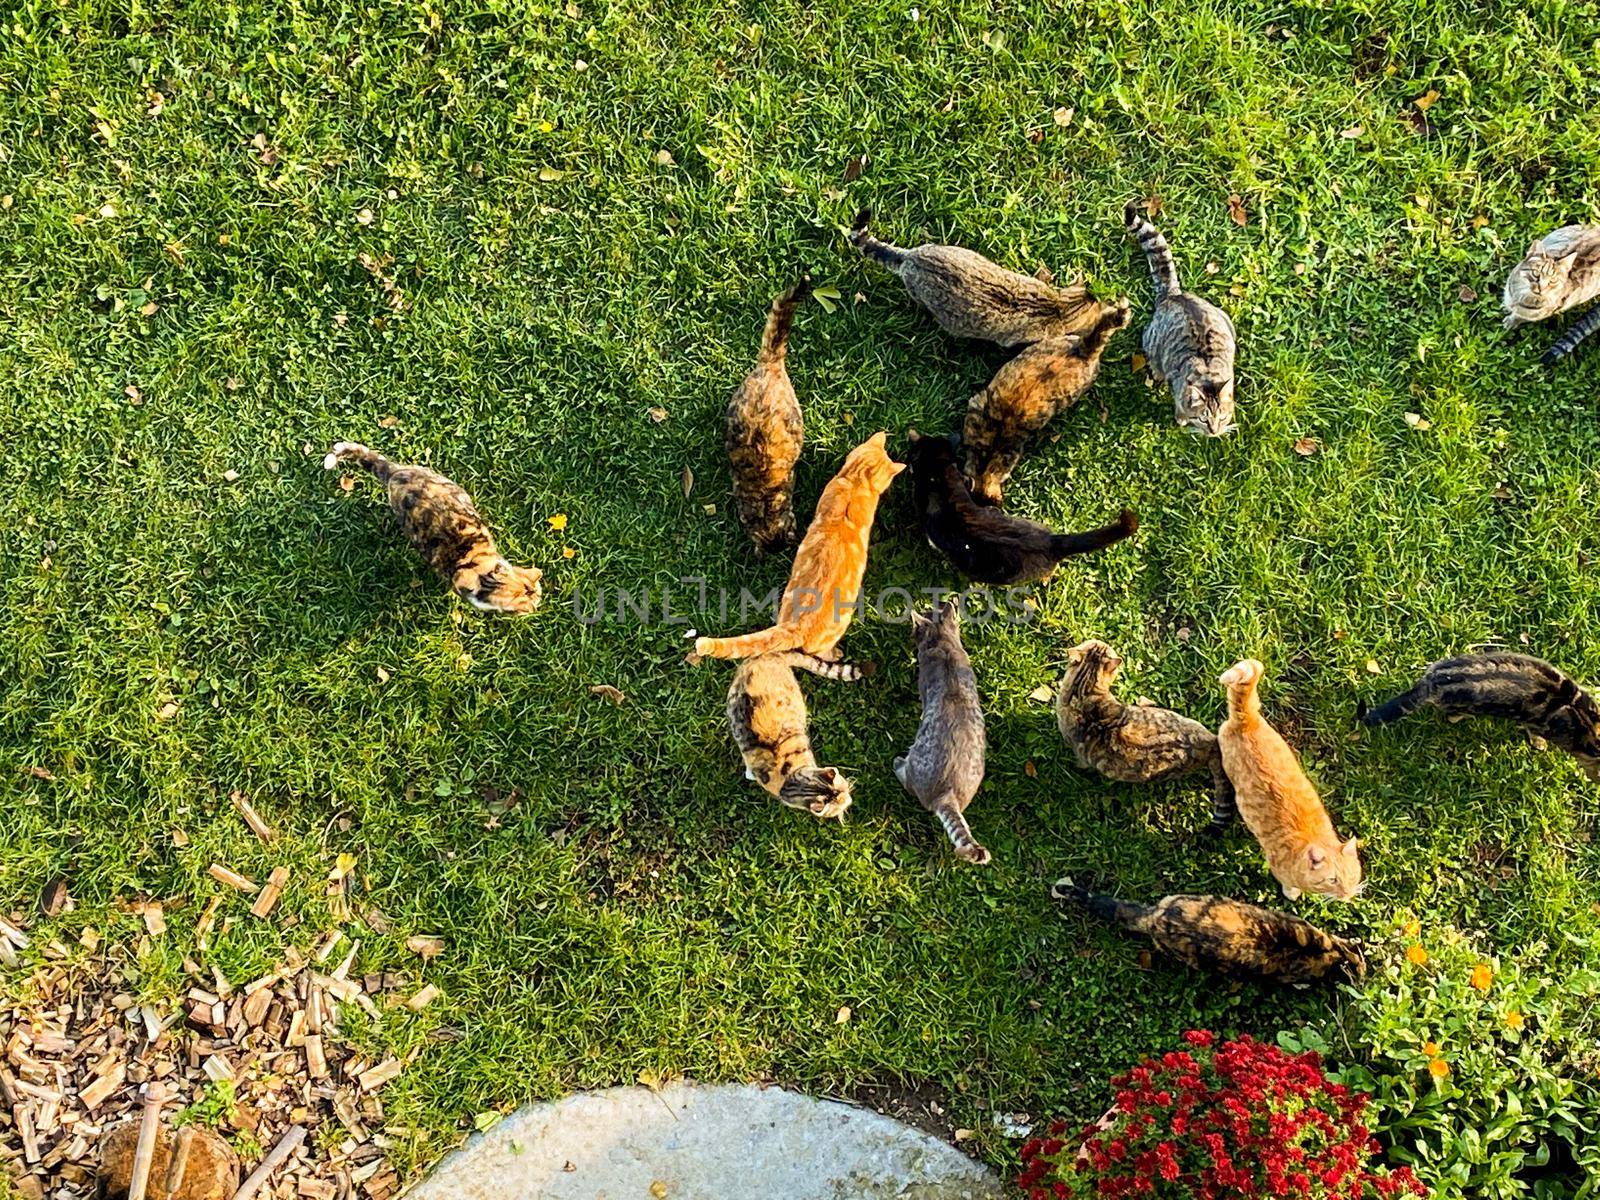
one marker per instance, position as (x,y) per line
(830,668)
(861,237)
(1064,544)
(363,457)
(1108,908)
(1393,710)
(1156,252)
(766,641)
(955,824)
(1224,803)
(780,319)
(1581,329)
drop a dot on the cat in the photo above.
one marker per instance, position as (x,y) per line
(765,432)
(1239,940)
(944,766)
(1516,687)
(969,296)
(1561,271)
(825,582)
(1134,743)
(767,713)
(1189,343)
(987,545)
(1277,801)
(441,522)
(1025,395)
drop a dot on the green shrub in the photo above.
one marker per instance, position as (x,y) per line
(1482,1070)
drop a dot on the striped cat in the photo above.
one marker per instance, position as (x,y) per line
(1561,271)
(1189,343)
(767,714)
(765,432)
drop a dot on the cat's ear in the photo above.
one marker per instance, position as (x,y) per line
(895,468)
(1350,848)
(1316,858)
(912,435)
(829,774)
(919,621)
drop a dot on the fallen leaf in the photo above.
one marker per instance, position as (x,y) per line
(108,211)
(610,693)
(580,65)
(233,383)
(149,308)
(1466,295)
(1211,268)
(364,217)
(383,676)
(558,522)
(1042,693)
(1036,135)
(963,1135)
(710,510)
(658,1190)
(1138,363)
(1236,210)
(550,175)
(347,483)
(425,946)
(664,158)
(1373,668)
(658,415)
(54,897)
(1479,221)
(1339,635)
(849,418)
(828,296)
(41,773)
(1425,101)
(485,1121)
(1031,771)
(843,1015)
(1063,116)
(687,479)
(853,167)
(167,711)
(1306,447)
(231,475)
(1418,422)
(134,395)
(388,422)
(1354,131)
(568,552)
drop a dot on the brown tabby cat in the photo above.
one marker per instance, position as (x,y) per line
(969,296)
(1134,743)
(1239,940)
(767,713)
(1025,395)
(765,432)
(1189,343)
(1515,687)
(438,516)
(825,583)
(1277,801)
(1561,271)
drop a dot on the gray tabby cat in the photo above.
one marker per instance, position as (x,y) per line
(944,766)
(1561,271)
(1189,343)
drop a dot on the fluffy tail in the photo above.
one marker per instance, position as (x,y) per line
(890,256)
(1581,329)
(1064,544)
(966,846)
(1108,908)
(370,459)
(780,319)
(1393,710)
(1156,252)
(766,641)
(830,668)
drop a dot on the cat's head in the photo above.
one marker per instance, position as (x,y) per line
(1329,869)
(507,589)
(821,791)
(928,456)
(1205,406)
(870,463)
(1092,668)
(1533,289)
(1347,960)
(940,623)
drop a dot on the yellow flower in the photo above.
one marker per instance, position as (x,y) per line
(568,552)
(1513,1019)
(1482,977)
(558,522)
(1431,1049)
(1438,1068)
(1416,954)
(1412,928)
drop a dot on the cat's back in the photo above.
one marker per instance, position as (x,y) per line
(765,703)
(437,514)
(1258,760)
(1186,325)
(1243,940)
(764,412)
(970,296)
(1499,684)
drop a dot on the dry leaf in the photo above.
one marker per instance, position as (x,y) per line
(53,898)
(1418,422)
(963,1135)
(658,1190)
(658,415)
(180,839)
(388,422)
(134,395)
(558,522)
(664,158)
(167,711)
(1137,362)
(710,510)
(108,211)
(1042,693)
(1425,101)
(687,479)
(383,676)
(853,167)
(364,217)
(1036,135)
(1063,116)
(233,383)
(842,1015)
(1479,221)
(425,946)
(347,483)
(231,475)
(550,175)
(1306,447)
(41,773)
(1211,268)
(1373,668)
(1031,771)
(1236,210)
(610,693)
(1466,295)
(1354,131)
(568,552)
(849,418)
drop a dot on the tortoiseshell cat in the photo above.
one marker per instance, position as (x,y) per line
(1189,343)
(825,581)
(1562,270)
(1025,395)
(1515,687)
(767,713)
(969,296)
(765,432)
(439,519)
(1134,743)
(944,766)
(1239,940)
(986,544)
(1277,801)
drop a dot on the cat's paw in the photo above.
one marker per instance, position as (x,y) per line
(976,855)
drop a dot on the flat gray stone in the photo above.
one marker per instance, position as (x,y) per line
(686,1142)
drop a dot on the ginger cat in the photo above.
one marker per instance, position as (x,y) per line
(1277,801)
(825,583)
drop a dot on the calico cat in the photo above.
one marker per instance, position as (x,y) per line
(987,545)
(1516,687)
(767,713)
(1189,343)
(439,519)
(1239,940)
(1561,271)
(1277,801)
(825,581)
(944,766)
(1134,743)
(1025,395)
(765,432)
(969,296)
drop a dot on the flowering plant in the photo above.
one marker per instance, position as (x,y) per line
(1239,1119)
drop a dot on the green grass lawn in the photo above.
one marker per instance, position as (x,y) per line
(588,207)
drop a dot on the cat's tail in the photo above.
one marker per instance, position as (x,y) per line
(1581,329)
(1156,251)
(1108,908)
(362,456)
(1393,710)
(955,824)
(830,668)
(766,641)
(861,237)
(1064,544)
(780,319)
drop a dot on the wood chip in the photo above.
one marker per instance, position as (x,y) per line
(270,893)
(251,818)
(375,1077)
(232,878)
(287,1145)
(155,918)
(423,998)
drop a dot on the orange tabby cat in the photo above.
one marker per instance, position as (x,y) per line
(825,583)
(1277,801)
